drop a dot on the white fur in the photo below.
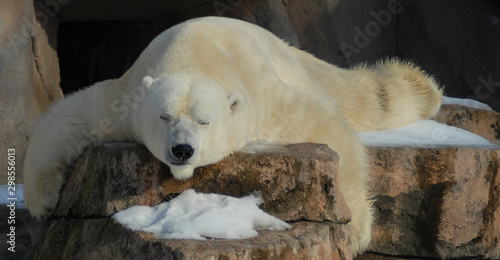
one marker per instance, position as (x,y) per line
(217,84)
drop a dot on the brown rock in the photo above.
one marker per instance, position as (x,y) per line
(297,183)
(106,239)
(436,202)
(485,123)
(29,74)
(442,203)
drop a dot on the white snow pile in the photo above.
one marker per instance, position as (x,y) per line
(194,215)
(12,194)
(427,134)
(464,102)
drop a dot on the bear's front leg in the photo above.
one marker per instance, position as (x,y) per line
(42,185)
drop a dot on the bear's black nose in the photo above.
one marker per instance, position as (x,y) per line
(182,151)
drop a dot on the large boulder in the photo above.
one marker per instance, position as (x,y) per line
(298,184)
(29,74)
(485,123)
(442,203)
(103,238)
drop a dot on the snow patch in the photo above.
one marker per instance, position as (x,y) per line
(426,134)
(464,102)
(194,215)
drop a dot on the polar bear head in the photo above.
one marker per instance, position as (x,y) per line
(188,121)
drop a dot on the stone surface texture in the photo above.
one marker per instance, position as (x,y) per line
(485,123)
(27,233)
(29,74)
(442,203)
(306,240)
(298,184)
(437,203)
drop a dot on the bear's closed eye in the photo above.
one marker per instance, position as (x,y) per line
(166,118)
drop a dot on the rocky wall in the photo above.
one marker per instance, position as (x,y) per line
(29,75)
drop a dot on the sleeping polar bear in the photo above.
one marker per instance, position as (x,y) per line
(207,87)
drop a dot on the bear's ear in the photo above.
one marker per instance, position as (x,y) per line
(237,101)
(147,81)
